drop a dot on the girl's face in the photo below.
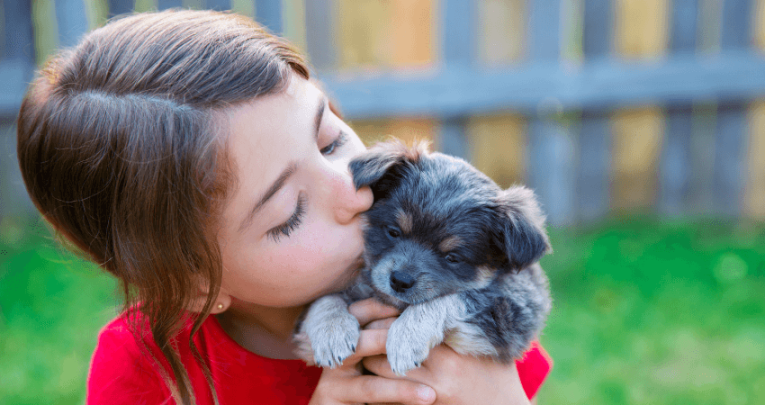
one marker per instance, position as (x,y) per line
(291,229)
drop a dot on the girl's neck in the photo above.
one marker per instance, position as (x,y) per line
(265,331)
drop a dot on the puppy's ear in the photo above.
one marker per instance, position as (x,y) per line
(525,239)
(377,167)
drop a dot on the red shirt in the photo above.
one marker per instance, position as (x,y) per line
(120,373)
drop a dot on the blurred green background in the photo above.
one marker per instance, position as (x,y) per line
(646,311)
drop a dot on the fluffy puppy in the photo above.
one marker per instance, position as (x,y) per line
(448,247)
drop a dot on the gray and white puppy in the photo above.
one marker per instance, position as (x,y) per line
(444,244)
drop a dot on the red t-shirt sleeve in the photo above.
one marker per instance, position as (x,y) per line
(120,373)
(533,368)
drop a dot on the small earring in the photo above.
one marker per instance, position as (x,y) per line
(220,307)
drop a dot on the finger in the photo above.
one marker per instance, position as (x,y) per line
(370,309)
(375,390)
(380,366)
(371,343)
(381,323)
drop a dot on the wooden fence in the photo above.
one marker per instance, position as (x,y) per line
(600,105)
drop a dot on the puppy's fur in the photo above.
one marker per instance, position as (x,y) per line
(457,254)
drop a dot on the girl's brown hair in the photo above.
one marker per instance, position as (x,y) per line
(120,144)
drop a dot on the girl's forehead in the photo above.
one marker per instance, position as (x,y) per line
(268,133)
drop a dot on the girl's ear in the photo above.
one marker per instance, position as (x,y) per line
(523,227)
(221,304)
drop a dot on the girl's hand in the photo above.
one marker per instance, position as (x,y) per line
(459,379)
(346,385)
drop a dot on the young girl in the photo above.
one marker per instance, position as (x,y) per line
(189,154)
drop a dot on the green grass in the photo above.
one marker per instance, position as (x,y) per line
(651,312)
(646,312)
(52,305)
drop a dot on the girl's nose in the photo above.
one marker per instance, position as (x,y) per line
(352,202)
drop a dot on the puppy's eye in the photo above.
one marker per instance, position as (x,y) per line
(393,232)
(452,258)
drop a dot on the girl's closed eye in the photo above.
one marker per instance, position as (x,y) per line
(341,139)
(292,223)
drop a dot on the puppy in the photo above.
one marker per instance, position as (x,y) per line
(448,247)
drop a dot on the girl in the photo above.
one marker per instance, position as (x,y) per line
(189,155)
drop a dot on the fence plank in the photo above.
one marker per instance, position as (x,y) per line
(730,159)
(602,84)
(674,169)
(731,117)
(269,13)
(18,57)
(371,131)
(641,28)
(641,33)
(220,5)
(593,178)
(19,34)
(14,200)
(295,22)
(498,145)
(736,25)
(320,38)
(550,161)
(683,27)
(637,140)
(598,28)
(364,28)
(453,139)
(593,174)
(502,31)
(458,32)
(71,20)
(759,25)
(458,44)
(544,30)
(550,153)
(119,7)
(702,159)
(414,33)
(165,4)
(675,165)
(755,186)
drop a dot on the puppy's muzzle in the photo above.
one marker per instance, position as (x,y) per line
(401,281)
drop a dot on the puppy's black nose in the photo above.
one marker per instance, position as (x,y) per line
(401,281)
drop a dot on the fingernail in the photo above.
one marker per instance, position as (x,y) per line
(426,393)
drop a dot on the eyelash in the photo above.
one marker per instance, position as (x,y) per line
(292,223)
(340,141)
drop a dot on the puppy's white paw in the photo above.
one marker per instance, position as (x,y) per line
(334,340)
(407,346)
